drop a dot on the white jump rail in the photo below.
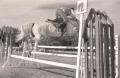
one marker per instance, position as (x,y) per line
(55,54)
(45,62)
(61,47)
(57,47)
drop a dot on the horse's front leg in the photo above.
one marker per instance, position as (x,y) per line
(34,49)
(35,46)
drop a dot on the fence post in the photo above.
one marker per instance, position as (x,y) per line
(106,53)
(91,49)
(97,50)
(81,9)
(112,66)
(101,28)
(86,60)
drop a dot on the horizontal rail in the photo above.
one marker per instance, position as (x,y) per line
(65,47)
(58,47)
(55,54)
(45,62)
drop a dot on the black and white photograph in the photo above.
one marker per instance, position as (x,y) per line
(59,38)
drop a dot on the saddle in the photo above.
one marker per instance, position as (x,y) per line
(58,24)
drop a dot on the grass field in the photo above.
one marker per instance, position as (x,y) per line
(17,68)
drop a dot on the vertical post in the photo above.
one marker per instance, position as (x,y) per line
(112,66)
(81,9)
(118,49)
(6,46)
(86,61)
(106,53)
(81,61)
(117,39)
(97,49)
(101,50)
(91,49)
(79,47)
(11,42)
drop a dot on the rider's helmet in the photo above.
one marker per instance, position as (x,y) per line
(68,11)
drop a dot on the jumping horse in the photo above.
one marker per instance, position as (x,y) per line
(45,29)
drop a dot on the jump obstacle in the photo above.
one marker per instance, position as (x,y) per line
(99,61)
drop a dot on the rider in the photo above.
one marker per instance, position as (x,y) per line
(63,16)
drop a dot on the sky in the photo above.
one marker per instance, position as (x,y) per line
(18,12)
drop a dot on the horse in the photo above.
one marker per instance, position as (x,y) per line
(45,29)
